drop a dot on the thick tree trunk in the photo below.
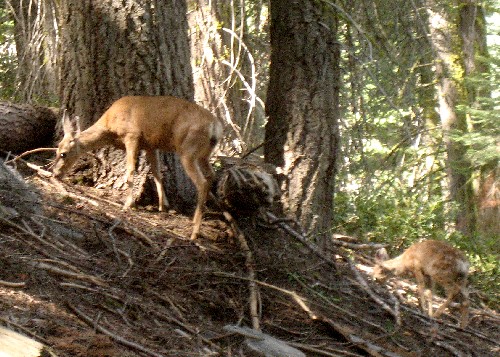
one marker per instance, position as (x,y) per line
(25,127)
(302,104)
(450,91)
(112,48)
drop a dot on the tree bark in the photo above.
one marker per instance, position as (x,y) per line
(230,49)
(444,35)
(472,28)
(35,27)
(302,104)
(112,48)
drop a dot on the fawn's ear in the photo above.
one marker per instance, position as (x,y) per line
(381,255)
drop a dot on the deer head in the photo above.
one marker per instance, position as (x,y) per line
(68,150)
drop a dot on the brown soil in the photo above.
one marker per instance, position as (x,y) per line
(102,282)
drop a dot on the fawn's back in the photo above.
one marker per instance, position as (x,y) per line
(442,262)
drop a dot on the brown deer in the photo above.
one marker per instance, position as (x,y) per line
(150,124)
(431,260)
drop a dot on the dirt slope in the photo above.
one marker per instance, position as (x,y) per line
(92,280)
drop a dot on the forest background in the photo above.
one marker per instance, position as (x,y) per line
(383,116)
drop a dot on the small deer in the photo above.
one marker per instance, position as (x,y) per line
(150,124)
(431,260)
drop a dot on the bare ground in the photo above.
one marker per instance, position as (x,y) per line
(87,279)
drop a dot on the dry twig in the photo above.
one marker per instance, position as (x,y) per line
(9,284)
(249,264)
(364,285)
(69,274)
(117,338)
(28,153)
(312,247)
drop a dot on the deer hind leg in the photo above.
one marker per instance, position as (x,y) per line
(206,168)
(208,173)
(153,157)
(132,150)
(193,169)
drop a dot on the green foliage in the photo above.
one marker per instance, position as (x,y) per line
(483,138)
(391,213)
(392,179)
(8,60)
(485,276)
(483,254)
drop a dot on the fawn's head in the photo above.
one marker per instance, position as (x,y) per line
(68,150)
(379,272)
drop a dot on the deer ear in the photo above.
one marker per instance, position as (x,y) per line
(67,124)
(381,255)
(78,127)
(70,127)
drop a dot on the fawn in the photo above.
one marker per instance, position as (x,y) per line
(434,261)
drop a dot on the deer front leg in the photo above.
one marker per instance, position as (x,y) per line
(421,288)
(464,307)
(430,298)
(450,294)
(154,160)
(193,170)
(131,148)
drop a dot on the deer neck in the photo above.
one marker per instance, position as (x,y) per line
(396,265)
(92,138)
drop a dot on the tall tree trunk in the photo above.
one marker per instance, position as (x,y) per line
(472,28)
(35,27)
(112,48)
(302,104)
(230,49)
(443,25)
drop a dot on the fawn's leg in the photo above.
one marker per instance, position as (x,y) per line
(421,288)
(451,291)
(464,307)
(429,299)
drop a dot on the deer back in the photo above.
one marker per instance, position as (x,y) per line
(165,123)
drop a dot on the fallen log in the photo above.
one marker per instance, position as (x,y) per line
(15,344)
(24,127)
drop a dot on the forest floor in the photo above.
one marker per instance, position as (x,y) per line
(86,279)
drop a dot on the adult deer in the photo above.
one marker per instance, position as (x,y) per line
(150,124)
(431,260)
